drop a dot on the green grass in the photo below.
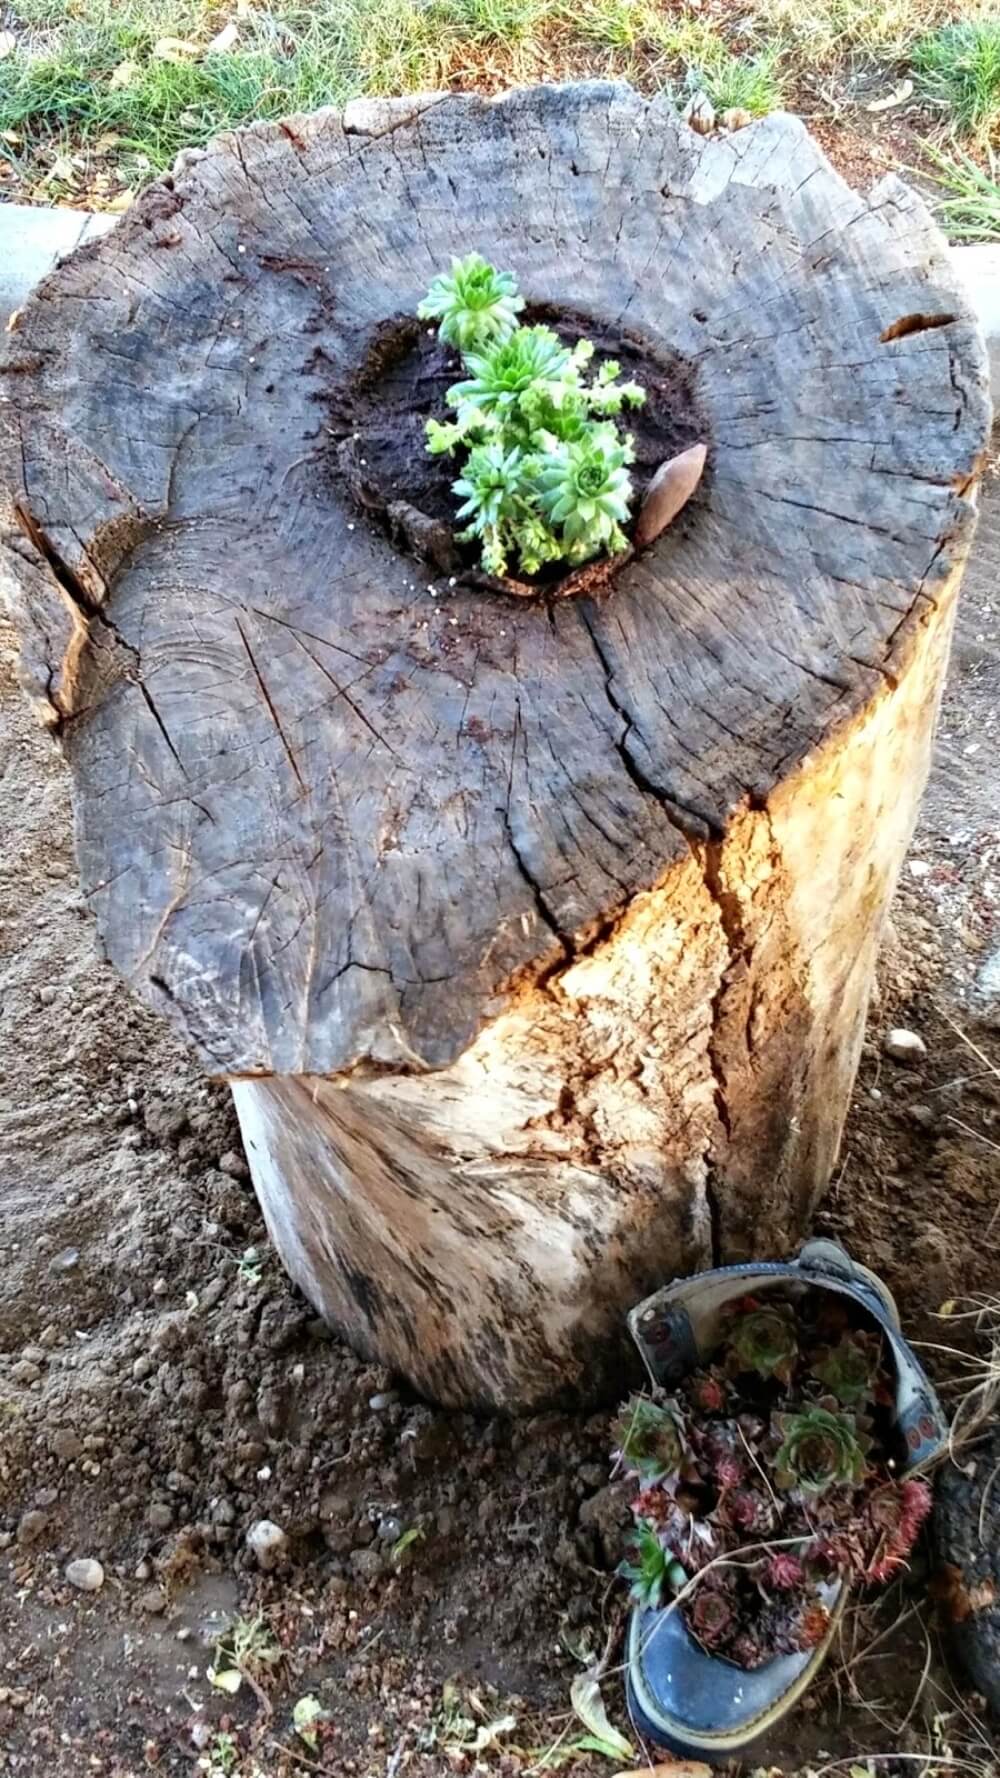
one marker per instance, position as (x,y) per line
(744,83)
(958,68)
(970,208)
(91,75)
(87,105)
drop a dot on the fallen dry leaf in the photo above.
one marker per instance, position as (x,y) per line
(224,40)
(175,49)
(8,44)
(671,1768)
(14,320)
(123,201)
(62,168)
(124,75)
(671,488)
(898,96)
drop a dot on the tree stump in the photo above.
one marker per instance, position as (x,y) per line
(535,938)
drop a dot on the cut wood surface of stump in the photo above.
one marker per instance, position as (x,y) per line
(535,938)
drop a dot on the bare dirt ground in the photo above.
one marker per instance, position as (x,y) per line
(162,1385)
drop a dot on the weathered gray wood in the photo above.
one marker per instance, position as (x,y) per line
(587,898)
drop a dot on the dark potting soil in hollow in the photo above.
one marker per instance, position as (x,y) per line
(378,421)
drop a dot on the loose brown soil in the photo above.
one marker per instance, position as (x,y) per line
(163,1386)
(378,425)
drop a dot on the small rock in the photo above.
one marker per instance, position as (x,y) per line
(143,1367)
(165,1123)
(903,1045)
(65,1444)
(593,1475)
(233,1164)
(143,1570)
(65,1261)
(281,1324)
(47,996)
(25,1372)
(609,1515)
(335,1506)
(390,1529)
(925,1116)
(35,1355)
(31,1526)
(160,1515)
(6,1539)
(223,1512)
(152,1601)
(267,1543)
(368,1564)
(386,1398)
(86,1574)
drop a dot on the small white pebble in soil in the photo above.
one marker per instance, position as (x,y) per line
(86,1574)
(264,1473)
(903,1045)
(874,1093)
(268,1543)
(241,249)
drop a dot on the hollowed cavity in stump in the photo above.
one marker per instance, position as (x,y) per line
(379,421)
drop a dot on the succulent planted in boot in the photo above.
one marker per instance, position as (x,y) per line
(750,1650)
(849,1369)
(751,1511)
(819,1450)
(650,1438)
(647,1570)
(764,1339)
(895,1513)
(710,1616)
(707,1392)
(783,1571)
(810,1626)
(653,1570)
(757,1491)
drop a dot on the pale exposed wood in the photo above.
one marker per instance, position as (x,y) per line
(672,1096)
(540,938)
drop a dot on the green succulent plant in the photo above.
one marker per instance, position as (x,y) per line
(556,488)
(820,1449)
(650,1438)
(473,303)
(850,1368)
(652,1569)
(764,1339)
(584,488)
(531,358)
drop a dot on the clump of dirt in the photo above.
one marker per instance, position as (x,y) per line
(378,424)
